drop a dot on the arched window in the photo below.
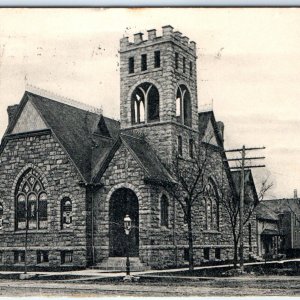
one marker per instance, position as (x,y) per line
(1,215)
(66,213)
(31,202)
(145,103)
(164,211)
(211,208)
(179,145)
(183,106)
(191,148)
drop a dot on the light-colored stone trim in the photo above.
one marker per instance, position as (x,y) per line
(123,185)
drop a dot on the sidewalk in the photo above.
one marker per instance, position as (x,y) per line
(91,274)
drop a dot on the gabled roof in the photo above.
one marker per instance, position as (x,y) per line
(154,169)
(204,118)
(143,153)
(264,211)
(250,190)
(270,209)
(74,129)
(90,139)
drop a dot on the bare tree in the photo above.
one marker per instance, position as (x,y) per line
(191,176)
(231,203)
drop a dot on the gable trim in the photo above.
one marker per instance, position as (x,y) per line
(135,156)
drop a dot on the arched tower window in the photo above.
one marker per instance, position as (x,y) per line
(183,106)
(66,213)
(164,211)
(31,202)
(211,208)
(145,103)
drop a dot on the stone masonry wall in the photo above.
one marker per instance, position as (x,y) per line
(44,154)
(123,172)
(161,246)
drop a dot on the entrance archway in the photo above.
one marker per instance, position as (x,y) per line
(123,202)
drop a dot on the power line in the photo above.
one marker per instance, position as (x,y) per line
(242,168)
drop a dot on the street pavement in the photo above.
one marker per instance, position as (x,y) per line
(90,282)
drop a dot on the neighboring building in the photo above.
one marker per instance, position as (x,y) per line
(279,227)
(72,174)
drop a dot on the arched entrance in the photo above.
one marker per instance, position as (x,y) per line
(123,202)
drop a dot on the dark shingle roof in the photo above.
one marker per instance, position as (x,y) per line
(250,190)
(74,129)
(203,121)
(148,159)
(264,211)
(270,209)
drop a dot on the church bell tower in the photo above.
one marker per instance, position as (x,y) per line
(159,88)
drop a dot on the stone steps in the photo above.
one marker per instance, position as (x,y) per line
(119,264)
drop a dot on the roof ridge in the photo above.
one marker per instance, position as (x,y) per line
(62,99)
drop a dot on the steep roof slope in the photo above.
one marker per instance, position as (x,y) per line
(74,129)
(250,189)
(204,120)
(90,139)
(265,211)
(155,170)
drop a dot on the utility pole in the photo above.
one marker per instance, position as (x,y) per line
(242,190)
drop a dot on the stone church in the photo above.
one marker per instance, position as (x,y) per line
(69,175)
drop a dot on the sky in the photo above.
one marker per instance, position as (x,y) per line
(248,69)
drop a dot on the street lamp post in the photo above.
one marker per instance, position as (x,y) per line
(127,227)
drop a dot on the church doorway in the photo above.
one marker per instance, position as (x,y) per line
(123,202)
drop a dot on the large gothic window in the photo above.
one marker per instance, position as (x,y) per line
(211,208)
(145,103)
(183,106)
(31,202)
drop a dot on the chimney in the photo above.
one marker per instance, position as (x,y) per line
(11,111)
(151,34)
(138,37)
(295,194)
(221,129)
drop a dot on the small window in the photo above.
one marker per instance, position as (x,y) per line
(66,213)
(186,254)
(144,62)
(66,257)
(131,65)
(191,148)
(1,216)
(206,253)
(183,64)
(42,256)
(191,68)
(218,253)
(19,257)
(164,211)
(250,236)
(156,59)
(179,145)
(176,60)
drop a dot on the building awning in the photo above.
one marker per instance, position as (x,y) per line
(270,232)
